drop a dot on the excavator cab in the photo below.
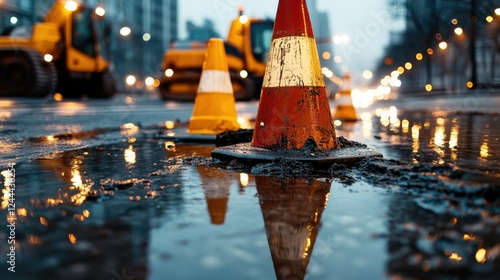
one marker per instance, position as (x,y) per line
(67,52)
(86,55)
(247,48)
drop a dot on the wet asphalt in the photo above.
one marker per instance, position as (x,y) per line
(102,192)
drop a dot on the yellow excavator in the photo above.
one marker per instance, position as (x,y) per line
(66,53)
(247,48)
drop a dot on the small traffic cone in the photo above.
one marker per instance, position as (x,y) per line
(294,118)
(214,107)
(345,109)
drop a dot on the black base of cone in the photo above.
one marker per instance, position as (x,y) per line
(248,154)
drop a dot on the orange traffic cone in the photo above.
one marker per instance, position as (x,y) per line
(293,106)
(294,119)
(345,109)
(214,108)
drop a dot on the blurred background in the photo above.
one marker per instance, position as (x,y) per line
(406,46)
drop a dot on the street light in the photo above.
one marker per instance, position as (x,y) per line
(146,37)
(100,11)
(443,45)
(459,31)
(497,11)
(71,6)
(130,80)
(125,31)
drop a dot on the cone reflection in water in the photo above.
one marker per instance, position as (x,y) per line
(294,110)
(345,109)
(214,108)
(291,208)
(216,184)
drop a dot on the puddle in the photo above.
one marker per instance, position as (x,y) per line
(149,208)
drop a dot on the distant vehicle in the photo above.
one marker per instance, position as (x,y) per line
(67,53)
(247,48)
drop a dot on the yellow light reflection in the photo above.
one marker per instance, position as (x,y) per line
(72,238)
(455,257)
(481,255)
(415,133)
(453,137)
(34,240)
(405,124)
(69,108)
(129,155)
(86,213)
(468,237)
(169,125)
(22,212)
(244,179)
(8,175)
(78,184)
(307,247)
(44,221)
(129,129)
(51,138)
(439,136)
(76,178)
(170,146)
(484,150)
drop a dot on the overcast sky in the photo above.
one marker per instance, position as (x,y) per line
(368,27)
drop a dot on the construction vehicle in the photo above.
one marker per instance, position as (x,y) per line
(66,53)
(247,48)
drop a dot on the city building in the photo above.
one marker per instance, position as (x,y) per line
(321,25)
(16,13)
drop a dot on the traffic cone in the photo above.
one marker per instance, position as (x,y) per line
(345,109)
(214,107)
(293,106)
(292,209)
(294,118)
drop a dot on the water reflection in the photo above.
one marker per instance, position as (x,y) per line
(216,184)
(292,208)
(467,140)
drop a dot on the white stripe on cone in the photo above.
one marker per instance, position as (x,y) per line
(293,61)
(215,81)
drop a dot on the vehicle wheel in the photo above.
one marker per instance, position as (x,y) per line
(105,85)
(17,77)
